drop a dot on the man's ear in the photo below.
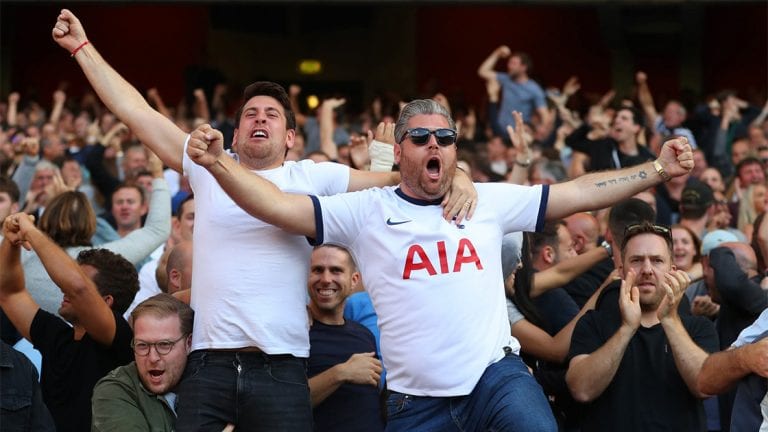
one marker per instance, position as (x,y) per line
(109,300)
(234,141)
(398,151)
(548,254)
(290,138)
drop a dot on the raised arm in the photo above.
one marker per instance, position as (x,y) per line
(566,270)
(361,368)
(92,310)
(520,140)
(645,97)
(138,244)
(201,106)
(59,97)
(486,70)
(255,195)
(13,109)
(293,96)
(15,300)
(152,128)
(590,374)
(603,189)
(327,145)
(539,343)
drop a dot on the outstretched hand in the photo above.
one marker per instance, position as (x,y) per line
(206,145)
(68,32)
(520,139)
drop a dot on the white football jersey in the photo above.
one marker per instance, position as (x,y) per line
(436,286)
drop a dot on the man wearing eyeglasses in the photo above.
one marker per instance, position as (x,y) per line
(437,285)
(95,337)
(637,370)
(140,395)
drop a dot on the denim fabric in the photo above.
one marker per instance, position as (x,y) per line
(507,398)
(254,391)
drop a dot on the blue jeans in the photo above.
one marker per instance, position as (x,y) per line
(507,398)
(254,391)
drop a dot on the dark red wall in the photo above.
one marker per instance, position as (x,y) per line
(453,41)
(150,45)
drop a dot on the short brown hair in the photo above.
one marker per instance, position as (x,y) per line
(69,220)
(163,305)
(273,90)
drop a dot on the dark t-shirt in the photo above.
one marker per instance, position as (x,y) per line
(582,288)
(647,393)
(71,368)
(352,407)
(604,153)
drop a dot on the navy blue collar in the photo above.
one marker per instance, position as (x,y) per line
(417,201)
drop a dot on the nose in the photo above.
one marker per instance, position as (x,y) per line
(153,354)
(432,141)
(647,267)
(326,277)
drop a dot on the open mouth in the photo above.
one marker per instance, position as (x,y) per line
(260,133)
(156,376)
(433,168)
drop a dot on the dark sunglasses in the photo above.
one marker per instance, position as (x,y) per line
(420,136)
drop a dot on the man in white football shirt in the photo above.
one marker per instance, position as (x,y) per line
(437,285)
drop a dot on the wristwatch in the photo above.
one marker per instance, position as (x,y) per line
(608,248)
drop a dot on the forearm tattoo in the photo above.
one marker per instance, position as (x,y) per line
(641,175)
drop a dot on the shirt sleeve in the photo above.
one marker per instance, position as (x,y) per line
(586,336)
(339,219)
(114,406)
(47,331)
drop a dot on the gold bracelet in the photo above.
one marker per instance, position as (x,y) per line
(659,169)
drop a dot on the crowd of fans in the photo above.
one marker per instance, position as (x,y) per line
(73,176)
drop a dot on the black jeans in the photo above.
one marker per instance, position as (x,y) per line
(254,391)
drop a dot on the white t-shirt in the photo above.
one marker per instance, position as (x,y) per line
(437,287)
(249,284)
(148,286)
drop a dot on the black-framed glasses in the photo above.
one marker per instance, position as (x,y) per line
(420,136)
(162,347)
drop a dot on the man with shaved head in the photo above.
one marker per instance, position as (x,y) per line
(585,231)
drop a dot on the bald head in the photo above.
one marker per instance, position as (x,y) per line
(179,267)
(745,256)
(584,230)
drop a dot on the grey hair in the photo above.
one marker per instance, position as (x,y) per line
(46,165)
(419,107)
(511,246)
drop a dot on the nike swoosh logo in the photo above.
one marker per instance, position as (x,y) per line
(391,223)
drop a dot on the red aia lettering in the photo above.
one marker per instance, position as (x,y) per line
(423,263)
(417,258)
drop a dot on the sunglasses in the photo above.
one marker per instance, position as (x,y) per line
(647,228)
(420,136)
(635,229)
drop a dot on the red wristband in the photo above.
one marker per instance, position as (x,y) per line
(79,48)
